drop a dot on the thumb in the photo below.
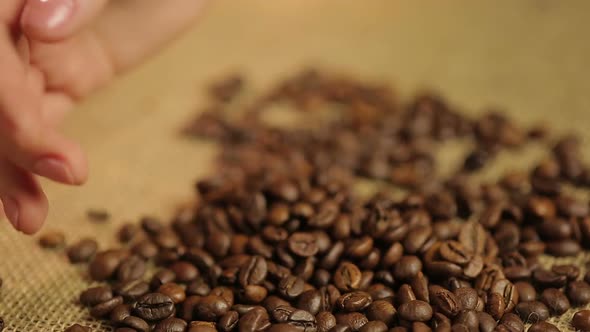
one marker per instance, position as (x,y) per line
(55,20)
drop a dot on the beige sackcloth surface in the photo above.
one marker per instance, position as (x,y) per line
(529,57)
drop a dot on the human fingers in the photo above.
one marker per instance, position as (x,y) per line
(24,137)
(23,199)
(55,20)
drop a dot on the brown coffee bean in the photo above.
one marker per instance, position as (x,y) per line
(354,320)
(444,301)
(543,327)
(466,297)
(171,324)
(132,290)
(486,322)
(174,291)
(253,272)
(199,326)
(581,320)
(154,307)
(415,310)
(325,321)
(374,326)
(254,293)
(545,279)
(469,319)
(228,321)
(526,291)
(578,292)
(454,252)
(303,244)
(381,310)
(95,295)
(120,312)
(472,236)
(354,301)
(407,267)
(184,271)
(419,285)
(52,240)
(104,308)
(136,323)
(532,311)
(347,277)
(555,300)
(508,291)
(105,263)
(131,268)
(82,251)
(256,319)
(513,322)
(495,305)
(311,301)
(146,249)
(359,248)
(563,248)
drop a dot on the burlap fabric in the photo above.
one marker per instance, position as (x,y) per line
(528,56)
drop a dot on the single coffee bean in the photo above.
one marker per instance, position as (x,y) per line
(563,248)
(359,248)
(495,305)
(419,285)
(303,244)
(354,301)
(581,320)
(52,240)
(282,313)
(95,295)
(455,252)
(132,290)
(146,249)
(407,267)
(340,328)
(311,301)
(136,323)
(526,291)
(532,311)
(154,307)
(466,297)
(228,321)
(171,324)
(445,301)
(325,321)
(473,236)
(415,310)
(512,321)
(543,327)
(198,326)
(198,287)
(131,268)
(128,232)
(254,294)
(545,279)
(253,272)
(211,307)
(73,328)
(174,291)
(469,319)
(571,271)
(105,263)
(354,320)
(120,312)
(184,271)
(256,319)
(291,286)
(441,322)
(105,308)
(382,311)
(374,326)
(303,320)
(555,300)
(578,292)
(347,277)
(405,294)
(508,291)
(82,251)
(486,322)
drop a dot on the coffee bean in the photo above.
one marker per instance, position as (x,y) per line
(341,328)
(555,300)
(419,285)
(407,267)
(469,319)
(104,308)
(198,287)
(486,322)
(105,263)
(405,294)
(211,307)
(325,321)
(354,301)
(495,305)
(415,310)
(382,311)
(303,244)
(52,240)
(508,291)
(171,324)
(303,320)
(154,306)
(120,312)
(131,268)
(311,301)
(283,327)
(199,326)
(454,252)
(513,322)
(578,292)
(359,248)
(444,301)
(354,320)
(532,311)
(347,277)
(136,323)
(255,320)
(472,236)
(253,272)
(441,322)
(543,327)
(526,291)
(184,271)
(374,326)
(466,298)
(228,321)
(173,291)
(82,251)
(581,320)
(146,249)
(73,328)
(95,295)
(545,279)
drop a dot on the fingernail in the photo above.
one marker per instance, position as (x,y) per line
(47,14)
(54,169)
(11,210)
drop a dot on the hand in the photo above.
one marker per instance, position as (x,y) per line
(52,53)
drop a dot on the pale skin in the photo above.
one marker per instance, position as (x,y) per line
(52,54)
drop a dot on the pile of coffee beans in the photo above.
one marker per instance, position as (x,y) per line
(279,240)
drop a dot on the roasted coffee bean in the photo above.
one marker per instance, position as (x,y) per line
(171,324)
(52,240)
(161,277)
(354,301)
(228,321)
(374,326)
(105,263)
(513,322)
(255,320)
(495,305)
(303,244)
(154,307)
(405,294)
(73,328)
(469,319)
(466,298)
(253,272)
(198,287)
(444,301)
(146,249)
(382,311)
(354,320)
(184,271)
(95,295)
(225,293)
(543,327)
(271,302)
(131,268)
(578,292)
(321,277)
(211,307)
(347,277)
(284,327)
(104,308)
(526,291)
(128,232)
(274,234)
(581,320)
(120,312)
(82,251)
(254,294)
(325,321)
(545,279)
(415,310)
(330,260)
(532,311)
(419,285)
(282,313)
(555,300)
(302,319)
(407,267)
(392,255)
(311,301)
(486,322)
(341,328)
(174,291)
(136,323)
(417,238)
(508,291)
(472,236)
(359,248)
(199,326)
(571,271)
(454,252)
(291,286)
(441,322)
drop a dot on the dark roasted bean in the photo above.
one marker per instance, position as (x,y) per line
(154,307)
(555,300)
(415,310)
